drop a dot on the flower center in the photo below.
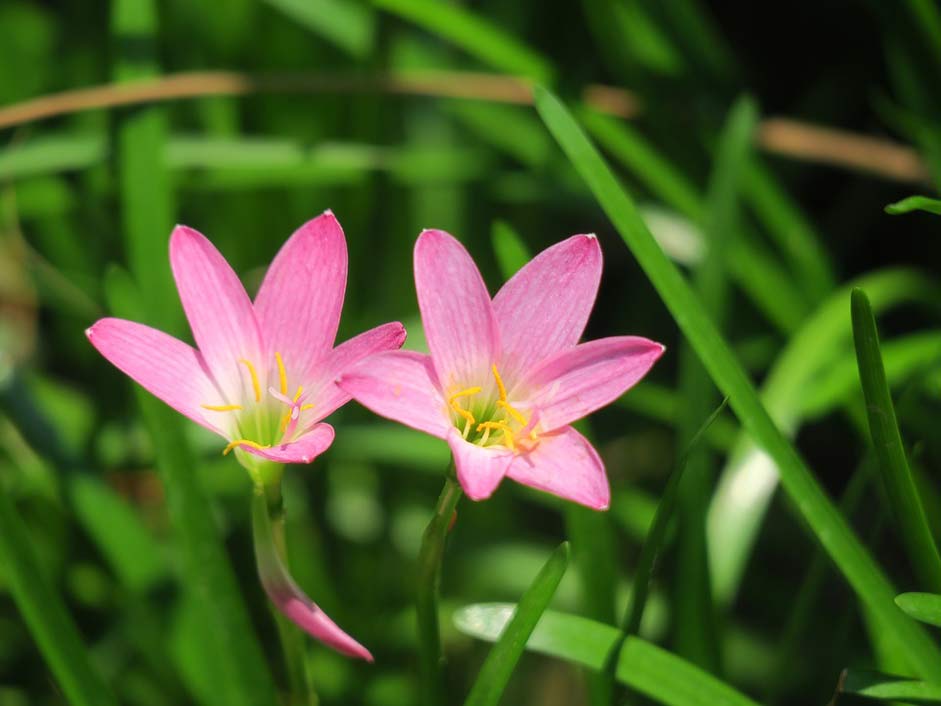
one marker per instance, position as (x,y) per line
(260,421)
(487,422)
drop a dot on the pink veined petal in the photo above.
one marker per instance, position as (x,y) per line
(564,463)
(400,386)
(304,449)
(329,396)
(479,469)
(164,366)
(544,307)
(287,595)
(299,302)
(576,382)
(456,311)
(219,311)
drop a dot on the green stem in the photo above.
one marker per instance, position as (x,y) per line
(302,692)
(426,600)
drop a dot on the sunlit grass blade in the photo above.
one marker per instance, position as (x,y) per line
(45,614)
(923,607)
(886,687)
(643,667)
(914,203)
(750,477)
(476,35)
(345,23)
(243,675)
(822,517)
(500,663)
(887,440)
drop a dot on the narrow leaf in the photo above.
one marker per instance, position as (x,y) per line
(924,607)
(643,666)
(822,517)
(498,668)
(914,203)
(886,687)
(897,476)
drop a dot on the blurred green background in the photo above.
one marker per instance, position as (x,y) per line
(401,115)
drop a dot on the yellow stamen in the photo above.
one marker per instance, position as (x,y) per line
(513,412)
(251,371)
(452,402)
(297,395)
(500,384)
(305,407)
(284,421)
(503,427)
(243,442)
(282,374)
(221,407)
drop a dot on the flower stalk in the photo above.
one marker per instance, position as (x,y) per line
(431,657)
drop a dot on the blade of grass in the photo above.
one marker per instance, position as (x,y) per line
(45,614)
(643,666)
(886,687)
(750,476)
(822,517)
(914,203)
(474,34)
(759,275)
(923,607)
(348,25)
(887,440)
(243,675)
(496,671)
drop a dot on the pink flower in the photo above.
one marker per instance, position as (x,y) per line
(506,378)
(263,377)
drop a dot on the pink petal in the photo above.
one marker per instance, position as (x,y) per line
(308,616)
(329,396)
(219,311)
(305,449)
(399,385)
(544,307)
(479,470)
(164,366)
(299,302)
(456,312)
(565,464)
(576,382)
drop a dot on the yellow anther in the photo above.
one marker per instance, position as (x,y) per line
(500,385)
(300,391)
(251,371)
(282,374)
(501,426)
(221,407)
(284,421)
(513,412)
(452,402)
(305,407)
(243,442)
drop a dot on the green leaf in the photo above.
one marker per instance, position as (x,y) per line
(642,666)
(474,34)
(924,607)
(824,337)
(822,517)
(348,25)
(496,671)
(914,203)
(887,440)
(886,687)
(509,248)
(45,614)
